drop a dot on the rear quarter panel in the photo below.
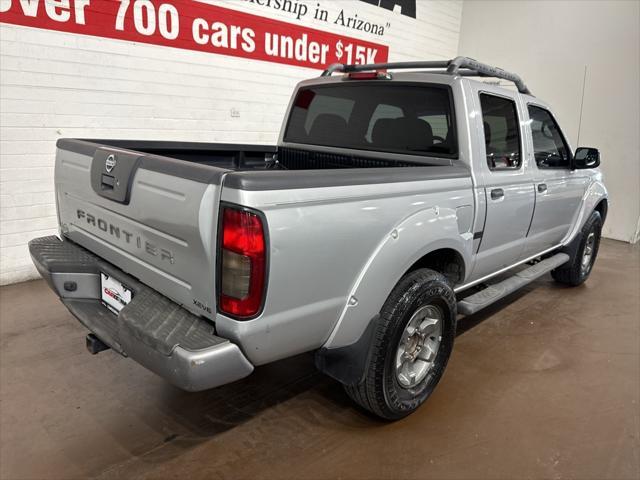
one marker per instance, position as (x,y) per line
(330,243)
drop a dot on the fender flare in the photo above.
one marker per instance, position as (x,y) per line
(595,193)
(345,354)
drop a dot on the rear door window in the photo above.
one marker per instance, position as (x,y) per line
(395,118)
(501,132)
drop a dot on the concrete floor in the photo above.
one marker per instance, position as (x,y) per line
(544,385)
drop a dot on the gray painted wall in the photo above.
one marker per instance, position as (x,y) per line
(549,44)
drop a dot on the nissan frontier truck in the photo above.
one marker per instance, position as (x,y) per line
(399,197)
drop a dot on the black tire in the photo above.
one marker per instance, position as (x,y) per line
(381,392)
(572,273)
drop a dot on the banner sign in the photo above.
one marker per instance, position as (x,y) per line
(192,25)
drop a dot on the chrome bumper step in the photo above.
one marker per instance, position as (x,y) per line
(152,329)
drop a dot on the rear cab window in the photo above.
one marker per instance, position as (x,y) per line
(394,117)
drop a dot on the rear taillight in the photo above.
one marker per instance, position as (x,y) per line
(242,263)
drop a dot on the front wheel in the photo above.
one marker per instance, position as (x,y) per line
(412,344)
(579,266)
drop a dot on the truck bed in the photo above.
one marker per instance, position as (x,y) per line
(244,157)
(155,214)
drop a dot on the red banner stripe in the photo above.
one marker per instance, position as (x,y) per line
(196,26)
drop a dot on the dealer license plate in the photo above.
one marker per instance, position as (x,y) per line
(114,294)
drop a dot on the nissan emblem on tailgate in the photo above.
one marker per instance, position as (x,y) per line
(110,163)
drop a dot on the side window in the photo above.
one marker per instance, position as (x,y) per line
(549,148)
(501,132)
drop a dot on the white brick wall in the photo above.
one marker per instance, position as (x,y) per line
(55,84)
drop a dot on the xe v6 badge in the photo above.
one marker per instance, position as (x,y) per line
(110,163)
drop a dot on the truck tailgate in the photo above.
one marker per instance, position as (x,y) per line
(154,217)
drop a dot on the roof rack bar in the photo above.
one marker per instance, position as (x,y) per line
(339,67)
(486,70)
(463,66)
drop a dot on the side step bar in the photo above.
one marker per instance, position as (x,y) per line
(495,292)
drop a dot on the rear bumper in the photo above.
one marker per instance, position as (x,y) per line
(151,329)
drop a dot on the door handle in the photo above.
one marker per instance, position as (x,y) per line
(497,193)
(542,187)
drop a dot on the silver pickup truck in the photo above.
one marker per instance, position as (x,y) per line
(394,202)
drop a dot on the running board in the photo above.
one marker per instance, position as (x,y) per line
(495,292)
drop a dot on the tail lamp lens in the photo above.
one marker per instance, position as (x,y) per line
(243,263)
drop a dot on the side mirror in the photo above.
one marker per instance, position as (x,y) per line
(586,157)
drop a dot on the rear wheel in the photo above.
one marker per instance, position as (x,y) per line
(583,255)
(412,344)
